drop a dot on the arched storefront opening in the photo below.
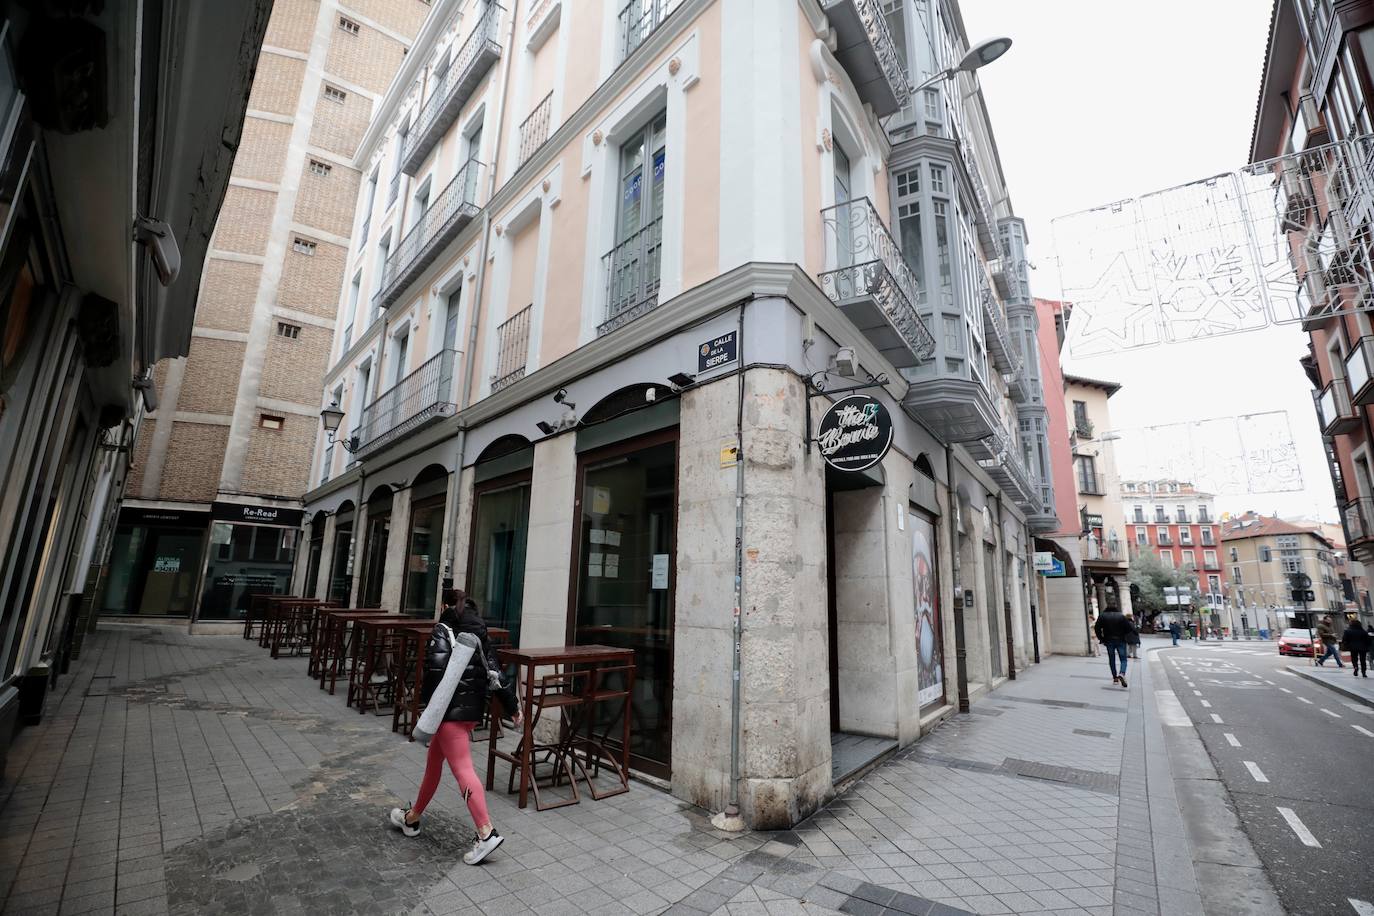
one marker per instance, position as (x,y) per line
(424,541)
(378,534)
(500,532)
(341,555)
(314,551)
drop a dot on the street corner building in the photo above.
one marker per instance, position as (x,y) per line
(118,128)
(610,268)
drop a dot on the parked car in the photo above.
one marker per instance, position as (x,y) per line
(1296,642)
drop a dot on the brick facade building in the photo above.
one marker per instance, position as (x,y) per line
(237,419)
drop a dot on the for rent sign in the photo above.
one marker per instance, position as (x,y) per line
(855,433)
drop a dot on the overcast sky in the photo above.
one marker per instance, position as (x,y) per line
(1097,102)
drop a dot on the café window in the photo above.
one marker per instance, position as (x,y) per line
(378,533)
(245,560)
(341,557)
(500,532)
(428,495)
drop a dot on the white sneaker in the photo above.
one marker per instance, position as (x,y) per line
(398,819)
(482,848)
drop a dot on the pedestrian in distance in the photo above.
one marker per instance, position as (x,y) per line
(1326,632)
(460,673)
(1355,640)
(1112,629)
(1132,637)
(1175,631)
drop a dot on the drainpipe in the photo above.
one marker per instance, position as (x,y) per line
(1033,595)
(1006,599)
(960,649)
(737,632)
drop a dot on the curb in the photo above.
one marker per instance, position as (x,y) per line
(1332,685)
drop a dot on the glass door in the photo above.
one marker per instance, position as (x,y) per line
(340,580)
(994,605)
(378,532)
(844,216)
(500,538)
(627,530)
(421,588)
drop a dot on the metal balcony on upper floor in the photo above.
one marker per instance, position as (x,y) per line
(1001,347)
(455,87)
(868,279)
(632,272)
(1335,414)
(868,53)
(988,234)
(1011,474)
(417,400)
(440,224)
(1359,372)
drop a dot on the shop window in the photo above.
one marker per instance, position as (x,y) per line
(374,546)
(245,560)
(420,590)
(341,558)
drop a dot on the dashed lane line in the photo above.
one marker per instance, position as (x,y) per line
(1255,772)
(1205,704)
(1217,719)
(1362,730)
(1299,828)
(1285,690)
(1305,700)
(1231,740)
(1334,715)
(1197,693)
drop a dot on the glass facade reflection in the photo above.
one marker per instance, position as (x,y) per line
(245,560)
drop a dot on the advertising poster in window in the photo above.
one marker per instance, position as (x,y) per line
(929,647)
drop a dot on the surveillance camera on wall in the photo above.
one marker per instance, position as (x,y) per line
(157,237)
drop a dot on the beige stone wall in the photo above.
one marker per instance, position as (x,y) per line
(368,59)
(244,221)
(339,125)
(292,24)
(277,84)
(211,382)
(311,283)
(194,458)
(326,202)
(278,461)
(139,460)
(262,149)
(404,16)
(227,294)
(293,368)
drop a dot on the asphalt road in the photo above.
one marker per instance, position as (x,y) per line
(1298,762)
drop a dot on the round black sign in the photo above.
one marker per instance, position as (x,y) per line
(855,433)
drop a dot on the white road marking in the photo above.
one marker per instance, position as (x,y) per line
(1255,771)
(1197,693)
(1299,828)
(1288,673)
(1334,715)
(1270,683)
(1285,690)
(1231,740)
(1362,908)
(1217,719)
(1305,700)
(1171,711)
(1362,730)
(1358,708)
(1206,705)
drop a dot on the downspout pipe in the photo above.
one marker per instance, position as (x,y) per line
(1006,592)
(737,626)
(960,648)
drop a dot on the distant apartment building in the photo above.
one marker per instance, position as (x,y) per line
(213,501)
(618,262)
(1262,553)
(1178,523)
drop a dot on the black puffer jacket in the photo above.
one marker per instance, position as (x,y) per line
(1355,639)
(1112,626)
(470,696)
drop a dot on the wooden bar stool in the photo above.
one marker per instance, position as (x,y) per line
(609,685)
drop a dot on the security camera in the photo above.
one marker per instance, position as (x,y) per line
(157,237)
(146,387)
(561,397)
(650,394)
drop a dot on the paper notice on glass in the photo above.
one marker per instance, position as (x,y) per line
(660,573)
(598,536)
(594,558)
(593,570)
(613,538)
(612,568)
(601,500)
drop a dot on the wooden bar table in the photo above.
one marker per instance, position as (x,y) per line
(294,625)
(370,643)
(333,640)
(527,662)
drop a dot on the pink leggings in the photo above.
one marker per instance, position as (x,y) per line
(453,743)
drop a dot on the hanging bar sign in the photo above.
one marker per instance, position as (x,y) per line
(855,433)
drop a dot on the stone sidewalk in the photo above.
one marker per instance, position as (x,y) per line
(1341,680)
(198,775)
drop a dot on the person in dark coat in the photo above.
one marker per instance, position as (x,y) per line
(1132,637)
(1175,631)
(1112,629)
(453,741)
(1355,640)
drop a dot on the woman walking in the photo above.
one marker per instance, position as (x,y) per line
(460,637)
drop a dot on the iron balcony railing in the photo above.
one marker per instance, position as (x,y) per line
(1165,540)
(1359,371)
(865,265)
(1204,517)
(393,189)
(637,21)
(512,343)
(1161,519)
(535,129)
(1334,411)
(631,271)
(1181,518)
(454,88)
(447,214)
(869,54)
(984,220)
(1096,548)
(997,336)
(423,395)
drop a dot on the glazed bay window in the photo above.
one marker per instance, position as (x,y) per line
(632,267)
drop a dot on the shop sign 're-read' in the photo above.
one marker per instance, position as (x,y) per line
(855,433)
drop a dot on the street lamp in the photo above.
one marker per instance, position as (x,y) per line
(980,55)
(331,417)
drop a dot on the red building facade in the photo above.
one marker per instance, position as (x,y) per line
(1179,523)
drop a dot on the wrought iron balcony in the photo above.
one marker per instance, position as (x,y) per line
(535,129)
(868,279)
(998,339)
(1010,473)
(1335,414)
(636,22)
(631,271)
(454,88)
(1096,548)
(988,235)
(448,213)
(512,347)
(868,53)
(1359,372)
(414,402)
